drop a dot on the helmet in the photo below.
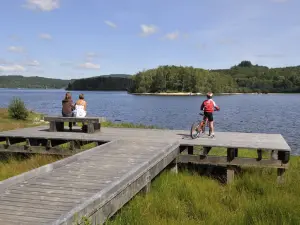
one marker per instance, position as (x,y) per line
(209,94)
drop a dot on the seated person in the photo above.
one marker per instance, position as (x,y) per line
(68,107)
(80,107)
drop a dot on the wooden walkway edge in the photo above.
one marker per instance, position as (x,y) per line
(98,182)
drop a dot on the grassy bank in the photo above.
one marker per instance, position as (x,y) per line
(14,164)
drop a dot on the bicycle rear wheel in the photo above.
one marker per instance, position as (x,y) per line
(196,130)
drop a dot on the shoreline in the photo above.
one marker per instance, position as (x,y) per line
(187,94)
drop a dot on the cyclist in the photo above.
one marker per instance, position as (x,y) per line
(208,106)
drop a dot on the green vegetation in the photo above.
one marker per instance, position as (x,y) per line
(13,81)
(17,109)
(243,78)
(7,123)
(114,82)
(12,165)
(187,198)
(181,79)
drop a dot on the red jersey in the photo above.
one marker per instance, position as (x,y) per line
(209,105)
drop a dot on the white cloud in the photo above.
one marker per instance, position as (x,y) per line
(89,65)
(33,63)
(12,68)
(111,24)
(45,36)
(172,36)
(16,49)
(43,5)
(148,29)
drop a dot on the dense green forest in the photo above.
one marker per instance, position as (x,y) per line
(17,81)
(243,77)
(113,82)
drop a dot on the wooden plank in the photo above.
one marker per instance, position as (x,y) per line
(222,161)
(37,201)
(38,150)
(35,206)
(49,167)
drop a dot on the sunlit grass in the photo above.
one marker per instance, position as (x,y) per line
(187,198)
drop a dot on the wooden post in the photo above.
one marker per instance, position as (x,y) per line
(280,174)
(259,154)
(274,155)
(7,142)
(231,153)
(146,189)
(206,151)
(174,166)
(230,174)
(284,157)
(190,150)
(236,152)
(27,145)
(48,145)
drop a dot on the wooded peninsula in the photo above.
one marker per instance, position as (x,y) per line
(242,78)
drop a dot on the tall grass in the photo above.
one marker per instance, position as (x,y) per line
(12,165)
(187,198)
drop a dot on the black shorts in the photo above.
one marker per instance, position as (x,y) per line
(209,116)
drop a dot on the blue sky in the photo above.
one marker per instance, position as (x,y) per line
(76,38)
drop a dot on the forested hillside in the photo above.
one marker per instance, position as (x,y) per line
(13,81)
(257,78)
(243,77)
(114,82)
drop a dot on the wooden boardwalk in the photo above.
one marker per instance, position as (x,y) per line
(97,182)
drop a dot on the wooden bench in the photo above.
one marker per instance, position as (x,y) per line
(91,124)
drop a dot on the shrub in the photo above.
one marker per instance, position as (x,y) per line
(17,109)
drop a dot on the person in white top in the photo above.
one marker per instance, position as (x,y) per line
(80,107)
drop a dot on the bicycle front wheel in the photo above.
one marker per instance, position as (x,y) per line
(195,130)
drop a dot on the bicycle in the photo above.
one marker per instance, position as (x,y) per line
(195,127)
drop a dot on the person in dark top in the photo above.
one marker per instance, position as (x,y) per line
(68,107)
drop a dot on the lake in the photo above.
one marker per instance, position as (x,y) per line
(271,113)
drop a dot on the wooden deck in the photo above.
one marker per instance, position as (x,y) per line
(97,182)
(222,139)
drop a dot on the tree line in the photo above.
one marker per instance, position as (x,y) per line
(243,77)
(17,81)
(102,83)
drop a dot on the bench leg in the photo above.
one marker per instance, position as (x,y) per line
(52,126)
(97,127)
(60,126)
(90,128)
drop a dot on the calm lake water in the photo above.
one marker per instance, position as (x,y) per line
(272,113)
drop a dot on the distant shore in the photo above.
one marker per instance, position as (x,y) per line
(184,94)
